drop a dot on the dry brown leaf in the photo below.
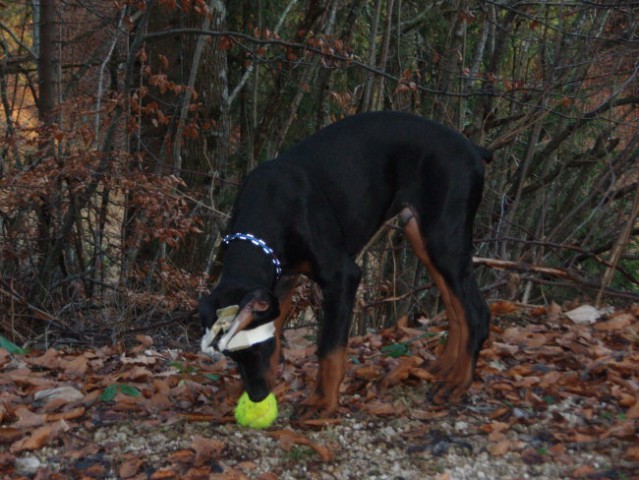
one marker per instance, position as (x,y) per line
(420,414)
(197,473)
(130,467)
(47,360)
(95,470)
(402,322)
(182,456)
(401,371)
(140,360)
(550,379)
(164,474)
(66,393)
(499,449)
(505,348)
(137,374)
(5,357)
(633,412)
(10,434)
(40,437)
(228,474)
(369,372)
(28,419)
(502,308)
(72,414)
(206,449)
(623,429)
(268,476)
(422,374)
(288,438)
(632,454)
(158,402)
(75,368)
(379,408)
(495,427)
(536,340)
(618,322)
(145,340)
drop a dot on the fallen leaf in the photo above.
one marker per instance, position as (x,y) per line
(369,372)
(206,449)
(75,368)
(618,322)
(47,360)
(145,340)
(182,456)
(422,374)
(623,429)
(136,374)
(140,360)
(502,307)
(164,474)
(10,434)
(288,438)
(401,371)
(632,454)
(72,414)
(130,468)
(633,412)
(67,393)
(198,473)
(379,408)
(28,419)
(40,437)
(499,449)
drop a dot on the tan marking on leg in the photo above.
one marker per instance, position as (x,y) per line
(324,400)
(285,306)
(460,376)
(454,311)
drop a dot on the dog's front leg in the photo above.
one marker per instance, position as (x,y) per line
(339,288)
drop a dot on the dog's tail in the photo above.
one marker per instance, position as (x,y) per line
(485,154)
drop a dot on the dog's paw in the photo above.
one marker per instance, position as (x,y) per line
(314,408)
(453,386)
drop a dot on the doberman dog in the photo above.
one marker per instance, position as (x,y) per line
(313,208)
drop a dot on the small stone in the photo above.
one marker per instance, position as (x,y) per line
(27,465)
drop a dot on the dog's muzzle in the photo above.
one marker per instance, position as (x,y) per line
(226,327)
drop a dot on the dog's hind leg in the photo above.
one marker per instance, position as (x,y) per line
(448,261)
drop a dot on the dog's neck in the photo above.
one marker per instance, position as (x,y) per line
(247,265)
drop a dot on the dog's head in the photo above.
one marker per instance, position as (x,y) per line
(239,323)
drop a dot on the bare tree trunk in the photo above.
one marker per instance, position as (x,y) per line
(365,104)
(48,80)
(620,246)
(48,88)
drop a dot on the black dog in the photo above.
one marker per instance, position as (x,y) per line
(312,209)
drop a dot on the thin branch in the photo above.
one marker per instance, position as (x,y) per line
(326,51)
(18,41)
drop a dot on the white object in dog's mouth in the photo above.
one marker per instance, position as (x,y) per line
(232,340)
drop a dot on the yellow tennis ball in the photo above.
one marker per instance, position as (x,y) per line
(256,415)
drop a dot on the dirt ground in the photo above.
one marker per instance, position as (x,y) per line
(554,398)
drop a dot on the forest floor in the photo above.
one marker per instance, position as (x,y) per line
(556,396)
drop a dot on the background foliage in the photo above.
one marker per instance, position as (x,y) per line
(126,128)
